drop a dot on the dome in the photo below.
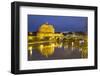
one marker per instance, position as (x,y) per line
(46,28)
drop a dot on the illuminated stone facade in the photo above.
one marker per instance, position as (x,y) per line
(47,30)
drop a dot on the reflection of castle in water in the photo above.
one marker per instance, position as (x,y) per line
(48,49)
(46,40)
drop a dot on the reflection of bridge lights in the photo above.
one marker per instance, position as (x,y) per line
(41,47)
(30,50)
(72,43)
(72,48)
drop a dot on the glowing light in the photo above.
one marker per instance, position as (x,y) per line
(30,50)
(72,43)
(53,45)
(30,37)
(47,30)
(41,48)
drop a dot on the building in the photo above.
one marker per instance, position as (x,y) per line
(47,31)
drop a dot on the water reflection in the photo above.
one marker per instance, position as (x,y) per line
(57,50)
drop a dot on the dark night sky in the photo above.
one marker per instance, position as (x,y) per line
(61,23)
